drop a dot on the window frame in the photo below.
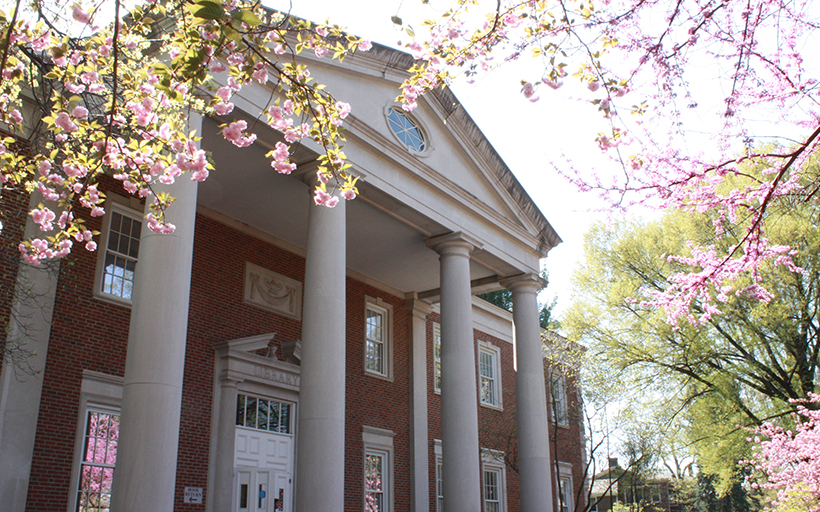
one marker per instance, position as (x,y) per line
(99,393)
(379,306)
(492,461)
(565,487)
(439,469)
(495,353)
(378,442)
(562,400)
(417,124)
(99,274)
(291,413)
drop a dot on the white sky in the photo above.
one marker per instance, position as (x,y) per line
(528,136)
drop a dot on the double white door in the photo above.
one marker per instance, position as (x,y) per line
(263,472)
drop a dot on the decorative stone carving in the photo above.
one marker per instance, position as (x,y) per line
(274,292)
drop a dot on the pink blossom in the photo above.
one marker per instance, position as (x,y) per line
(80,112)
(234,132)
(80,15)
(64,121)
(97,212)
(349,194)
(223,109)
(261,75)
(16,117)
(365,46)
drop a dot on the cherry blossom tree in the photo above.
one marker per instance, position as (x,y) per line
(642,65)
(116,101)
(788,461)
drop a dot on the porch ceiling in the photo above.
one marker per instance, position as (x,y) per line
(385,238)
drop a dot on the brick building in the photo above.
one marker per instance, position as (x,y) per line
(274,355)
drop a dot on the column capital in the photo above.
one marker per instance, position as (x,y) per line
(524,282)
(457,239)
(418,307)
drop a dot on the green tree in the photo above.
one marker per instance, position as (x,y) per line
(737,368)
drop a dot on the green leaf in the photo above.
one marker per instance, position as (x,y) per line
(231,33)
(209,10)
(248,17)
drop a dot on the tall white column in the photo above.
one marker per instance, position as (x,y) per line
(530,397)
(419,459)
(459,384)
(222,491)
(320,450)
(29,330)
(145,477)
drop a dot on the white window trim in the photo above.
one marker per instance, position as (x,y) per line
(380,306)
(436,359)
(437,474)
(563,399)
(133,211)
(493,460)
(99,392)
(565,475)
(495,352)
(379,441)
(421,125)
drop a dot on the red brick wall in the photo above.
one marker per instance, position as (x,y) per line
(567,442)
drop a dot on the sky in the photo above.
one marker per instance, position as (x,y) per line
(530,137)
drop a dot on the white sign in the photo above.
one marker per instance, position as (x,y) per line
(193,495)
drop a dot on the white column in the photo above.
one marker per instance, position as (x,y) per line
(419,449)
(145,477)
(29,329)
(222,491)
(320,464)
(530,397)
(459,384)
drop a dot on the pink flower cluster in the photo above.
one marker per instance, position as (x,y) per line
(788,462)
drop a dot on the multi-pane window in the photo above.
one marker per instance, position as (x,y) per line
(121,253)
(493,481)
(565,493)
(374,482)
(437,357)
(378,349)
(378,469)
(98,460)
(263,414)
(489,375)
(492,490)
(558,398)
(375,336)
(439,486)
(405,129)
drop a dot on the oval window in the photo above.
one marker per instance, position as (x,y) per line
(406,129)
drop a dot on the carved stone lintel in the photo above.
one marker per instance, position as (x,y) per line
(274,292)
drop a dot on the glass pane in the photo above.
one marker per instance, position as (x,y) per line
(273,417)
(136,229)
(134,251)
(240,410)
(250,412)
(116,222)
(262,418)
(123,246)
(374,325)
(284,418)
(374,356)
